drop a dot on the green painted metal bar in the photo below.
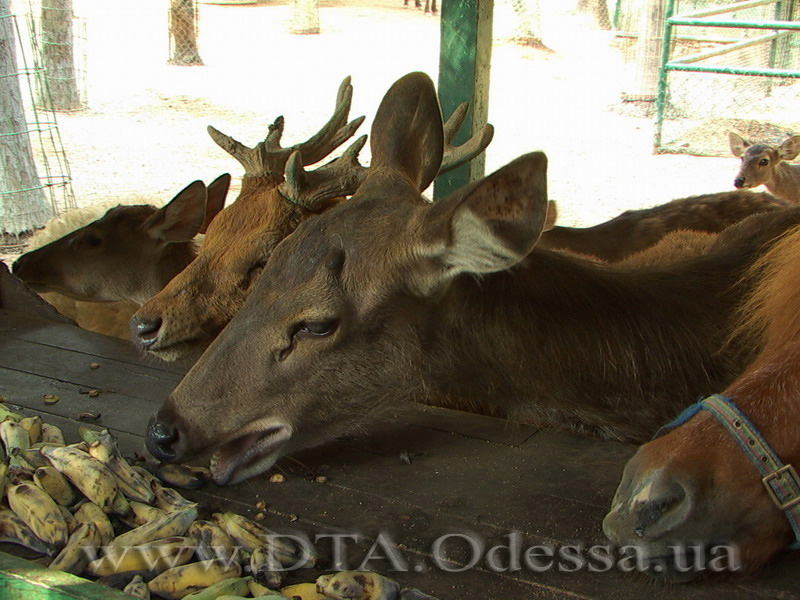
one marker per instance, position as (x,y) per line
(733,71)
(23,580)
(464,63)
(661,98)
(718,10)
(731,48)
(739,24)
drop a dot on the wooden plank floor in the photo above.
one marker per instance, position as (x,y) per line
(466,474)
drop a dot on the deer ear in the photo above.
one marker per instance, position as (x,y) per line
(182,218)
(789,149)
(486,227)
(738,144)
(407,134)
(215,199)
(552,215)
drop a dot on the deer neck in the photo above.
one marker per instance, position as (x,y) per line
(785,181)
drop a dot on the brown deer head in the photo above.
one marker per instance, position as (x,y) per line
(335,326)
(277,194)
(128,254)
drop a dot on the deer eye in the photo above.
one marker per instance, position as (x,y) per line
(763,162)
(315,328)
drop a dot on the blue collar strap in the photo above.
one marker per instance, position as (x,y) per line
(781,481)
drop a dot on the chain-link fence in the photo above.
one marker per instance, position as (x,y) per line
(726,68)
(35,180)
(182,18)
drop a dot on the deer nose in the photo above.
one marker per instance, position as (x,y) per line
(659,507)
(162,440)
(145,331)
(738,183)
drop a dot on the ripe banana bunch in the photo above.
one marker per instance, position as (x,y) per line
(212,541)
(183,476)
(234,586)
(86,473)
(39,512)
(361,585)
(13,530)
(169,525)
(89,512)
(137,588)
(14,436)
(50,480)
(304,591)
(156,556)
(183,580)
(129,482)
(80,549)
(253,536)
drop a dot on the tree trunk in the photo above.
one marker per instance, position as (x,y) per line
(598,9)
(57,57)
(305,17)
(23,206)
(184,33)
(530,30)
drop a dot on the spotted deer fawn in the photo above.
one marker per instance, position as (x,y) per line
(765,164)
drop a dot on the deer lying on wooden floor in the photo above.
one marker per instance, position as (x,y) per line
(277,194)
(635,230)
(765,164)
(100,273)
(386,299)
(695,485)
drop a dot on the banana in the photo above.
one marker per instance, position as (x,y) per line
(137,588)
(55,484)
(212,541)
(52,435)
(69,518)
(149,477)
(3,479)
(89,435)
(266,568)
(257,590)
(168,499)
(181,581)
(252,536)
(39,512)
(19,474)
(13,530)
(157,556)
(121,507)
(364,585)
(171,524)
(14,436)
(7,414)
(20,458)
(88,474)
(80,549)
(89,512)
(129,482)
(33,425)
(144,513)
(234,586)
(303,591)
(183,476)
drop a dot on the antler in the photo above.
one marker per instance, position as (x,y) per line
(340,177)
(343,176)
(455,156)
(269,158)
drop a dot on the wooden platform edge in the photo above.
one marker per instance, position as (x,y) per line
(21,579)
(15,295)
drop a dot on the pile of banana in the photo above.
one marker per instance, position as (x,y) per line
(96,515)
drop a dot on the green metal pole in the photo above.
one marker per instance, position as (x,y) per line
(464,61)
(661,99)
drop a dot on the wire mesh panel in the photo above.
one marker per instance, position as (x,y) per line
(183,33)
(35,181)
(741,78)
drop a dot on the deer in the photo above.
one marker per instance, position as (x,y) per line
(128,254)
(277,194)
(635,230)
(766,164)
(386,299)
(98,274)
(693,484)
